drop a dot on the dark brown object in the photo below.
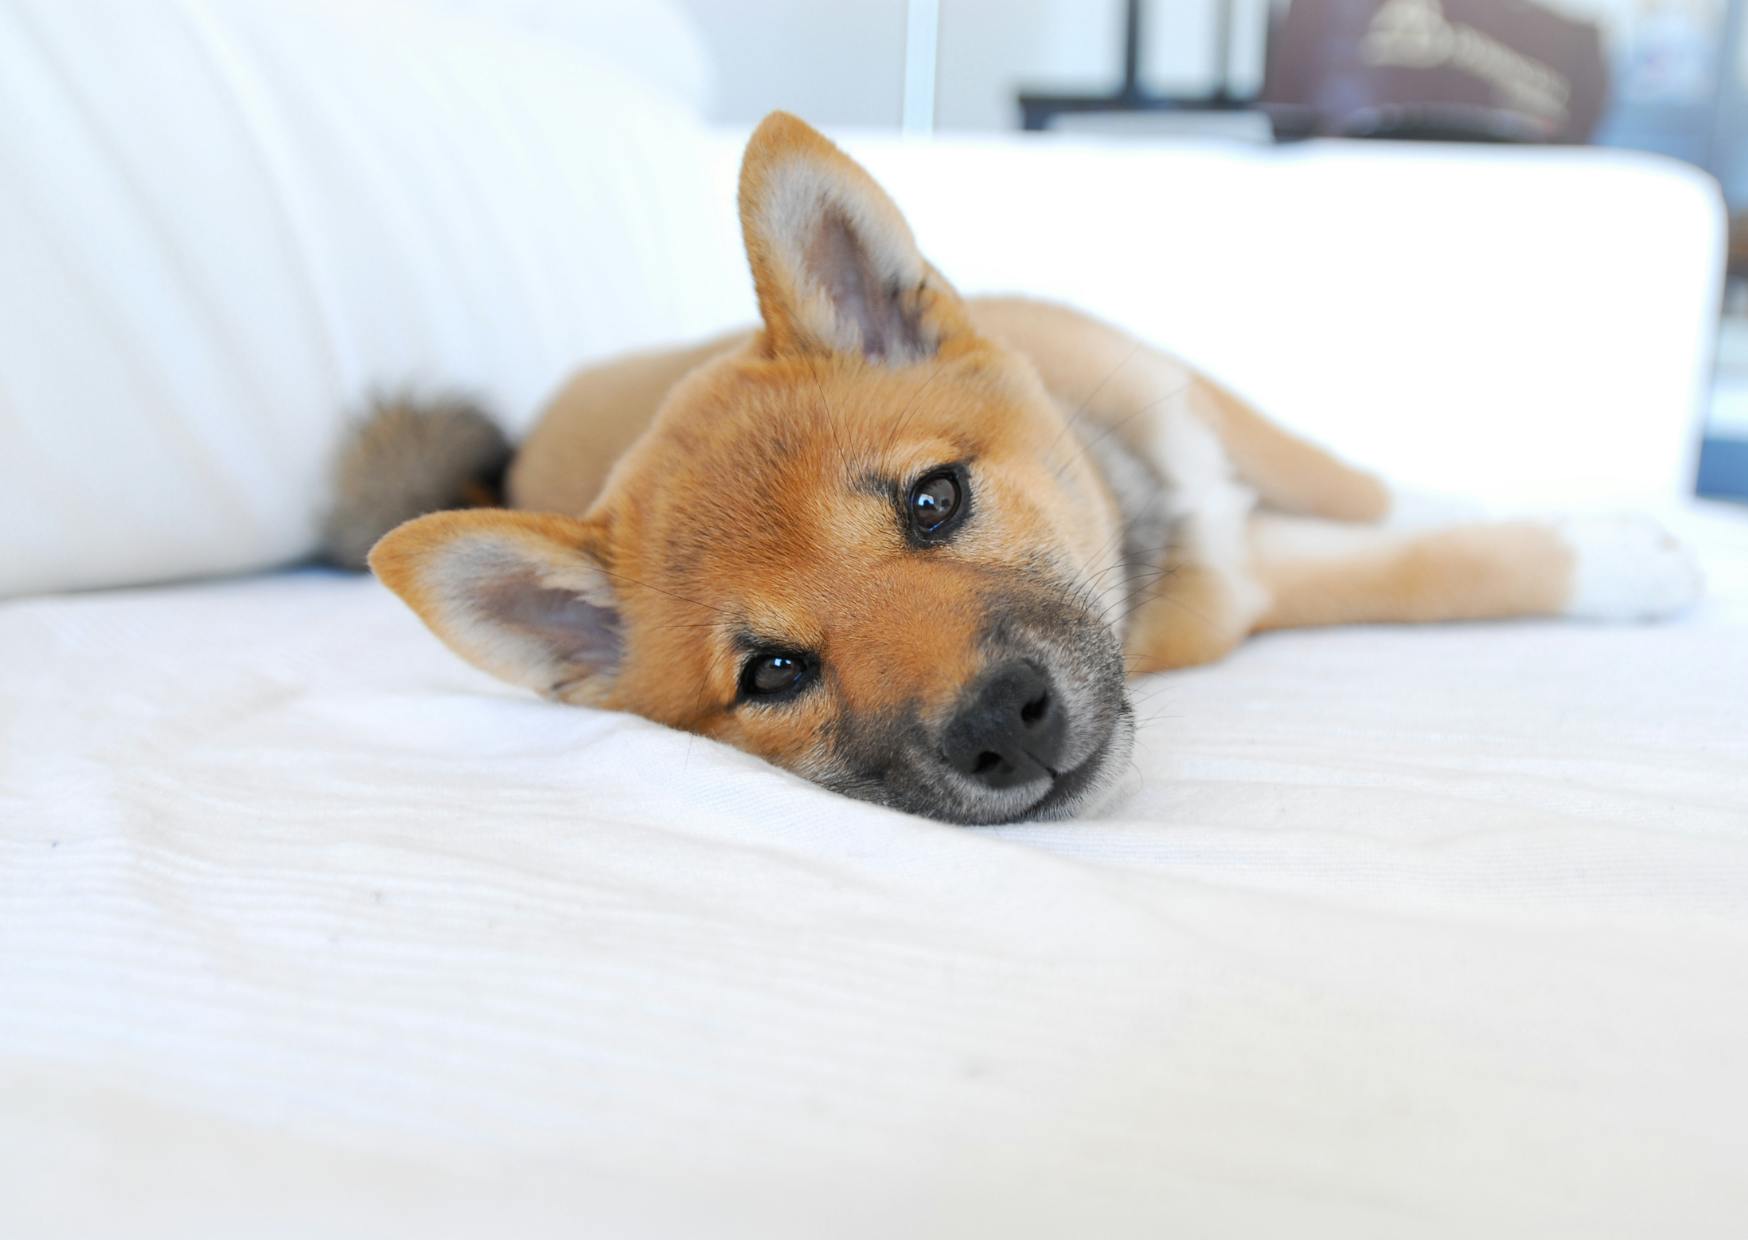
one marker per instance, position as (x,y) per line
(1039,109)
(1738,246)
(1480,70)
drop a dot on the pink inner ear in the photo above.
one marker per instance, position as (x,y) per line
(580,636)
(838,260)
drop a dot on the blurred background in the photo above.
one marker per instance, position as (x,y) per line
(1667,76)
(1481,245)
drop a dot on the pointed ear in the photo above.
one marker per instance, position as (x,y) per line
(520,595)
(834,263)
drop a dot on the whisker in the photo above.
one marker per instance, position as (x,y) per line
(1175,601)
(1088,445)
(831,416)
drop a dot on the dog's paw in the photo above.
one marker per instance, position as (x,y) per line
(1627,568)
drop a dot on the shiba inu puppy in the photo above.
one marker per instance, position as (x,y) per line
(909,545)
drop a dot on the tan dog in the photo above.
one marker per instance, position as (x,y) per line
(910,545)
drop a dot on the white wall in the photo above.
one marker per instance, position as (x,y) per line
(833,62)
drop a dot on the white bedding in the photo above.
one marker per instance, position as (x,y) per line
(308,929)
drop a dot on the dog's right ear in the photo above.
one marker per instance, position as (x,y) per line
(523,596)
(834,263)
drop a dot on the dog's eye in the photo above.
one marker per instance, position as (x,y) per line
(936,502)
(775,674)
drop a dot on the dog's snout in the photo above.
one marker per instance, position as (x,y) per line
(1009,730)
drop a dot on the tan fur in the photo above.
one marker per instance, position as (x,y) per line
(1316,573)
(1196,615)
(743,489)
(594,419)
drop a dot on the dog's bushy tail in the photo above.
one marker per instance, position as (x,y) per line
(405,457)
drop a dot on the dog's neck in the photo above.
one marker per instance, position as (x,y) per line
(1145,512)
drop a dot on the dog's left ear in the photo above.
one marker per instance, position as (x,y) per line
(834,263)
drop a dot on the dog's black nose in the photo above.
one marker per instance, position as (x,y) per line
(1009,730)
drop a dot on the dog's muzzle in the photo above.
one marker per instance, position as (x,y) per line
(1039,733)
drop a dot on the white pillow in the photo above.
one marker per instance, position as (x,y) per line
(225,222)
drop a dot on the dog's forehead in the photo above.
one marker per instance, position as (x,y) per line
(795,515)
(770,454)
(783,482)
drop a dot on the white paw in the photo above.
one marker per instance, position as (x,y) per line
(1627,568)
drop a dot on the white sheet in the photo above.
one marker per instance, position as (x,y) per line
(307,929)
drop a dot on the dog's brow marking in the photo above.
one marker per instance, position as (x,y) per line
(880,486)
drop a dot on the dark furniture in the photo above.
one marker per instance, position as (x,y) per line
(1037,111)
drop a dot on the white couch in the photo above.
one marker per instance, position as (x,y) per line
(308,929)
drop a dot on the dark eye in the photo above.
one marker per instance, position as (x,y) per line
(774,674)
(936,502)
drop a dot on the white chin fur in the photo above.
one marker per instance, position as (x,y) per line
(1628,568)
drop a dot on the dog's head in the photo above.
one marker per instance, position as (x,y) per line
(867,548)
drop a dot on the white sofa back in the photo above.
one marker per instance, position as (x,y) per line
(1532,327)
(226,221)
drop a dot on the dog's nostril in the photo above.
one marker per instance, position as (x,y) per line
(986,762)
(1009,729)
